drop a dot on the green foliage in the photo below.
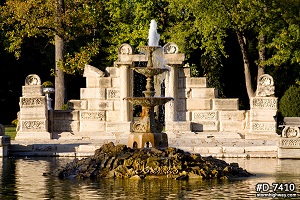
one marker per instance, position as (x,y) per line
(65,107)
(47,84)
(79,25)
(15,122)
(289,104)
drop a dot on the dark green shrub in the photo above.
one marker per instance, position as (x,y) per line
(289,104)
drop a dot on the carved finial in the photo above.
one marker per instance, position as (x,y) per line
(125,49)
(171,48)
(32,79)
(265,86)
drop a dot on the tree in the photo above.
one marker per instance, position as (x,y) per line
(73,26)
(256,20)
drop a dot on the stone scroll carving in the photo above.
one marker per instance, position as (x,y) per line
(125,49)
(93,115)
(33,125)
(171,48)
(39,101)
(32,79)
(291,132)
(265,86)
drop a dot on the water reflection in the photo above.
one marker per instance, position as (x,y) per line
(26,179)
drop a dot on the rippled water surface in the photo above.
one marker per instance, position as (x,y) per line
(27,179)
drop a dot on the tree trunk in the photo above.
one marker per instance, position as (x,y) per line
(59,58)
(59,74)
(247,73)
(261,56)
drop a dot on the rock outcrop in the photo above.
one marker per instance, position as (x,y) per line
(120,161)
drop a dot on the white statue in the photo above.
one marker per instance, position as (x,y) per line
(153,36)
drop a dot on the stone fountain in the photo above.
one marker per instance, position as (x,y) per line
(147,131)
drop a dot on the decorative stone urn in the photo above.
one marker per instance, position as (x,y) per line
(47,91)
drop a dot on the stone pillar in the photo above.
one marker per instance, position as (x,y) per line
(33,116)
(263,109)
(171,91)
(125,91)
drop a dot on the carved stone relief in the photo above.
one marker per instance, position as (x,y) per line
(263,127)
(113,94)
(32,79)
(33,101)
(33,125)
(265,86)
(93,115)
(290,143)
(170,48)
(205,116)
(291,132)
(265,103)
(125,49)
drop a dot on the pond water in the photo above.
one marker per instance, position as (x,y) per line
(25,178)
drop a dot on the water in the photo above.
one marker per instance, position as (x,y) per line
(28,179)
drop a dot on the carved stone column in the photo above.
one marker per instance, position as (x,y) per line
(171,91)
(33,117)
(125,91)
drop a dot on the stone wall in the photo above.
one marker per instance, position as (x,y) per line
(101,112)
(198,108)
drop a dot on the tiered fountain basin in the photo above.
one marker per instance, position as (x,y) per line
(148,72)
(149,101)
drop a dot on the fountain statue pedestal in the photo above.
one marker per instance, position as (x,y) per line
(147,140)
(147,131)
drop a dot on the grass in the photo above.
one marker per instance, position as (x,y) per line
(11,131)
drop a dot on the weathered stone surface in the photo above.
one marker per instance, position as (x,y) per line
(32,90)
(93,115)
(112,115)
(92,93)
(113,93)
(232,115)
(90,71)
(263,127)
(181,105)
(267,103)
(95,104)
(184,72)
(199,82)
(98,82)
(231,125)
(65,125)
(113,71)
(65,115)
(33,101)
(77,104)
(205,126)
(178,126)
(117,126)
(225,104)
(33,125)
(115,82)
(204,115)
(92,126)
(263,115)
(204,93)
(199,104)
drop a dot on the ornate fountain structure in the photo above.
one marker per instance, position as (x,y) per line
(147,131)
